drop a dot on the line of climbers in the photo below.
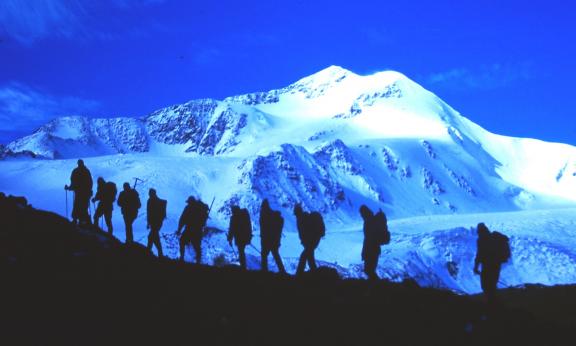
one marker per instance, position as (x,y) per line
(492,247)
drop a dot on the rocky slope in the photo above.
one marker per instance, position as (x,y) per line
(78,286)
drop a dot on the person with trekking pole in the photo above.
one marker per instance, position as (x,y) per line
(81,183)
(105,195)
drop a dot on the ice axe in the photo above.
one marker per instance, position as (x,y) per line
(211,204)
(204,229)
(136,180)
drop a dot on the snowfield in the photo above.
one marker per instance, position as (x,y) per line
(333,141)
(435,250)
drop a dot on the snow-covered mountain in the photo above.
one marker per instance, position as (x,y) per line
(333,141)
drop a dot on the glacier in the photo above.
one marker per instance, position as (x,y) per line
(333,141)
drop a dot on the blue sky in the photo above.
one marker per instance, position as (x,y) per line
(506,65)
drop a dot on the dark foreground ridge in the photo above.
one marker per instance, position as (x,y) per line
(66,285)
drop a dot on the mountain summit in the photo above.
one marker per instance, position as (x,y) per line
(330,75)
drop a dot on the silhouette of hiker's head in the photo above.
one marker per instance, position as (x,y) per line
(235,209)
(482,229)
(152,193)
(100,181)
(298,209)
(126,186)
(265,204)
(365,212)
(190,200)
(80,163)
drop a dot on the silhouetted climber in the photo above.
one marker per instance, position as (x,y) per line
(375,234)
(370,246)
(240,230)
(310,230)
(271,224)
(493,249)
(155,214)
(81,184)
(193,220)
(106,195)
(129,202)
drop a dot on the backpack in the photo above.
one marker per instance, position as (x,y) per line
(244,230)
(110,191)
(500,247)
(203,210)
(277,225)
(381,227)
(278,221)
(317,224)
(136,199)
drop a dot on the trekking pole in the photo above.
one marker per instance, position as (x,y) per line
(94,208)
(66,203)
(144,236)
(254,247)
(101,219)
(233,251)
(503,284)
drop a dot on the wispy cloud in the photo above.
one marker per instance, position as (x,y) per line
(133,3)
(27,21)
(378,36)
(236,45)
(205,56)
(485,77)
(22,108)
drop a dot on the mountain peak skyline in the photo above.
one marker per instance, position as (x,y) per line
(494,62)
(339,113)
(329,76)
